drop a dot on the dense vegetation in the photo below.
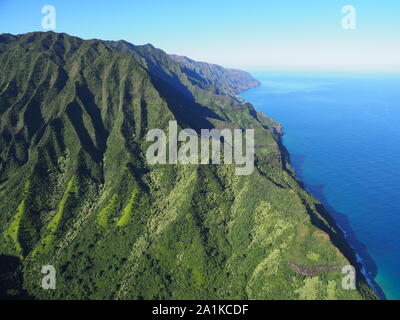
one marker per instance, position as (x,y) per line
(207,75)
(76,191)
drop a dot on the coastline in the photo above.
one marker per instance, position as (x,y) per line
(339,236)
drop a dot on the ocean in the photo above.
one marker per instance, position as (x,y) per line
(342,131)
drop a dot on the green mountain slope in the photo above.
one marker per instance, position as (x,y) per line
(229,81)
(77,192)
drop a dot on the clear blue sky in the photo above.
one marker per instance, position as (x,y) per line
(249,34)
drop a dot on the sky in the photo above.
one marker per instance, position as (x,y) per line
(246,34)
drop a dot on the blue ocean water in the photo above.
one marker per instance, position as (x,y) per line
(342,131)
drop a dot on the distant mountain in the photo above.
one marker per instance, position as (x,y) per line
(77,192)
(228,81)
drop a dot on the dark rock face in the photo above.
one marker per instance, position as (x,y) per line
(11,279)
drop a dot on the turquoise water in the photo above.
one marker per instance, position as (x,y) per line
(342,131)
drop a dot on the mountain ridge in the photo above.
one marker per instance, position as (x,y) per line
(231,81)
(77,192)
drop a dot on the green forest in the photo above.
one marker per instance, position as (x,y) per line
(77,192)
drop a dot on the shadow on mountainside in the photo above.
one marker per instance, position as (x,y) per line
(183,106)
(171,82)
(11,279)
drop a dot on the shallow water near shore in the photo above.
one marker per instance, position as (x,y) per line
(343,135)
